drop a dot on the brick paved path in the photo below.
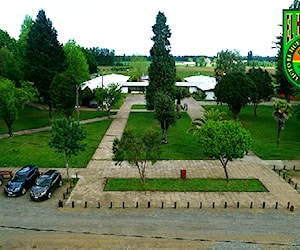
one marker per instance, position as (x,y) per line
(92,179)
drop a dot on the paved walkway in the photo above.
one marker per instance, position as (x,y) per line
(92,179)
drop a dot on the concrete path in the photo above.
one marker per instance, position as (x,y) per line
(92,179)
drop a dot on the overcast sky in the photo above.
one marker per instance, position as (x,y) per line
(199,27)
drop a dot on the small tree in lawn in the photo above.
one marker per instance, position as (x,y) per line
(136,152)
(12,100)
(164,111)
(281,113)
(109,96)
(224,140)
(237,90)
(264,90)
(67,136)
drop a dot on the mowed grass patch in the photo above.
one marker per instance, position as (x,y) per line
(181,145)
(139,106)
(263,130)
(18,151)
(185,185)
(31,118)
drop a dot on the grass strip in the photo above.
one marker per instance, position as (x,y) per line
(139,106)
(185,185)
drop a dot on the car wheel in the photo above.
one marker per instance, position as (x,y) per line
(1,183)
(23,191)
(60,183)
(49,195)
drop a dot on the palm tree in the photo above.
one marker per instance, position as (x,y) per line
(281,113)
(210,114)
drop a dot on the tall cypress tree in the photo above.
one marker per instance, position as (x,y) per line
(44,56)
(162,70)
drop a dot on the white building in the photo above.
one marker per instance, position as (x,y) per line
(193,83)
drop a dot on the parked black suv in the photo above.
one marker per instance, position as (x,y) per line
(22,181)
(45,185)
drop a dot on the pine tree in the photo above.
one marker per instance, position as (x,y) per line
(44,56)
(162,71)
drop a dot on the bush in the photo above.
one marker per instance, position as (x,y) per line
(200,95)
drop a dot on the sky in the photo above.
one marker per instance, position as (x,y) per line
(198,27)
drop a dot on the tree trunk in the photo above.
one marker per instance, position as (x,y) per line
(235,115)
(279,128)
(67,164)
(10,130)
(255,109)
(164,136)
(178,109)
(224,164)
(77,103)
(142,171)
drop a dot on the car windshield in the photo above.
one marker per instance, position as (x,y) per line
(43,182)
(19,178)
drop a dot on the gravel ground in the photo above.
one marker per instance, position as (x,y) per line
(41,225)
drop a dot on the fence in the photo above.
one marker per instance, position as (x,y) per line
(284,173)
(175,205)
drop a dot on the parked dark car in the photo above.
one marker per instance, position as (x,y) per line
(45,185)
(22,181)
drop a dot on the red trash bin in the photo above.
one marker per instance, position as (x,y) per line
(182,173)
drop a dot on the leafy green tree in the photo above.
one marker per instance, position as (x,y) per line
(7,41)
(237,90)
(63,93)
(22,42)
(162,70)
(282,111)
(264,89)
(77,69)
(138,65)
(91,61)
(224,140)
(67,138)
(108,97)
(104,56)
(228,62)
(12,100)
(136,152)
(200,62)
(164,112)
(9,67)
(44,56)
(100,95)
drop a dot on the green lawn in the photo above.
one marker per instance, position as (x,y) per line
(181,145)
(185,185)
(138,106)
(18,151)
(264,132)
(31,118)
